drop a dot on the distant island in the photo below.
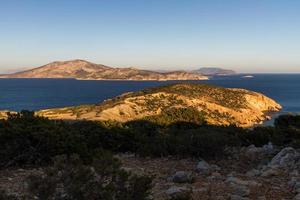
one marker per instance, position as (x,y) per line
(84,70)
(176,102)
(213,71)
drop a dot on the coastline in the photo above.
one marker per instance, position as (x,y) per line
(80,79)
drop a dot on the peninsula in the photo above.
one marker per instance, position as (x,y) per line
(177,102)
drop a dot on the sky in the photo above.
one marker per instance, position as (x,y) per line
(243,35)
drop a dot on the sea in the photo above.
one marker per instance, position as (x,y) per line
(36,94)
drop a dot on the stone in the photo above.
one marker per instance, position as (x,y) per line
(292,182)
(203,167)
(241,190)
(297,197)
(271,172)
(252,150)
(183,177)
(215,168)
(215,176)
(253,173)
(285,158)
(268,148)
(294,173)
(237,181)
(178,193)
(200,190)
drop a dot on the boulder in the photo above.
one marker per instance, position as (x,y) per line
(239,182)
(297,197)
(241,190)
(253,152)
(271,172)
(183,177)
(253,173)
(203,167)
(269,148)
(178,193)
(285,158)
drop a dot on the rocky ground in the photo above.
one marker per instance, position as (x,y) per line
(247,173)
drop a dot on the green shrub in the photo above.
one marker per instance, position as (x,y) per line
(288,121)
(70,179)
(174,115)
(26,139)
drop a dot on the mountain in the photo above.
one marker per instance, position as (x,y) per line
(212,71)
(81,69)
(219,106)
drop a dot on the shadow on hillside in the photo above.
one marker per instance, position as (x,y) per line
(27,140)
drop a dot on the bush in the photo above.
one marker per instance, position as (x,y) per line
(288,121)
(258,136)
(173,115)
(70,179)
(26,139)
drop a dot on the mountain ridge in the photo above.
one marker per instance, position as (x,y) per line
(84,70)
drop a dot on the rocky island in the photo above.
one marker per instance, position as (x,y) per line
(216,105)
(84,70)
(214,71)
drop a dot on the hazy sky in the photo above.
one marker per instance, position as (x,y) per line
(245,35)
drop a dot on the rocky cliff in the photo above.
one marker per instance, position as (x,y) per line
(80,69)
(219,106)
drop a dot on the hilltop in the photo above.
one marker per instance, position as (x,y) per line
(81,69)
(213,71)
(177,102)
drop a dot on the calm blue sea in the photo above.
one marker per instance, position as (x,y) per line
(35,94)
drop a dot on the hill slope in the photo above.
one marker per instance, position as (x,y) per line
(219,106)
(80,69)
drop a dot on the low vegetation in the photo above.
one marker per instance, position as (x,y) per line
(27,140)
(78,156)
(69,178)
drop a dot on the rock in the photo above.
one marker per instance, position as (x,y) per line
(253,173)
(203,167)
(268,148)
(183,177)
(285,158)
(241,190)
(178,193)
(294,173)
(252,151)
(271,172)
(293,182)
(215,176)
(215,168)
(200,190)
(297,197)
(237,181)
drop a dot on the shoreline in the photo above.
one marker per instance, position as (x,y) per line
(79,79)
